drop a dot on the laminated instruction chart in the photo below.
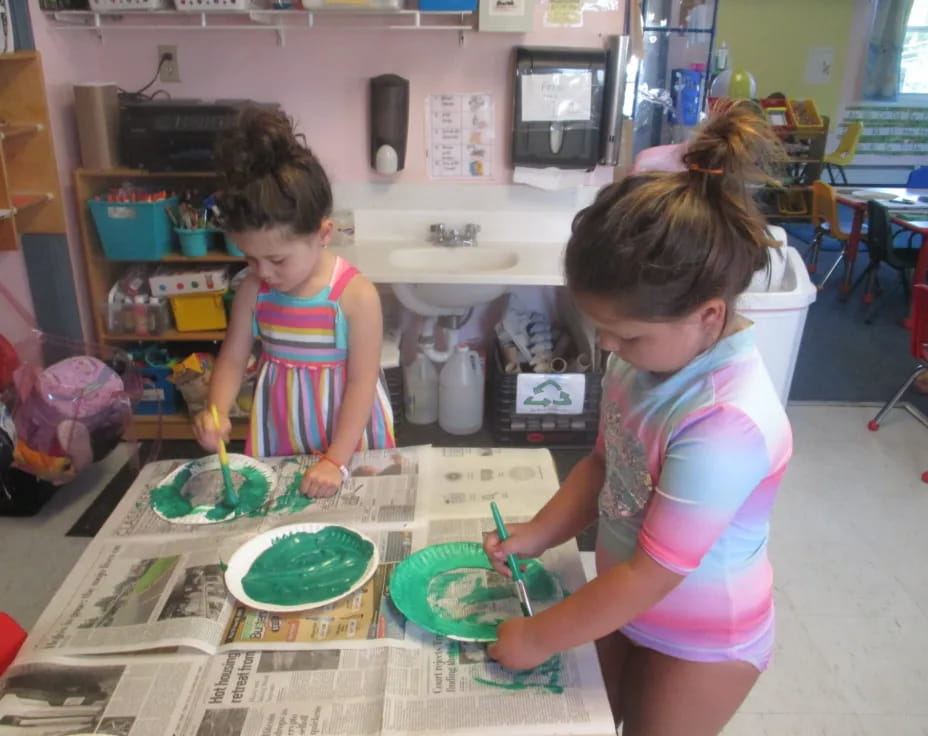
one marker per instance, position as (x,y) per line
(460,130)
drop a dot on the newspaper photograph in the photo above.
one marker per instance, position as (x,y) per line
(108,696)
(137,595)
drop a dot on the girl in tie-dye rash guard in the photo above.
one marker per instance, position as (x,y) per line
(692,446)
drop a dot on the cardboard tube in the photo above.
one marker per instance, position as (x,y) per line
(558,365)
(511,355)
(581,364)
(562,346)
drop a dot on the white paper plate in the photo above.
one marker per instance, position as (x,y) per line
(200,513)
(872,194)
(243,558)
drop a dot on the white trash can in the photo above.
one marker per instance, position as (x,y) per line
(779,315)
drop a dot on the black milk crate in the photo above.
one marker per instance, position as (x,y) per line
(509,427)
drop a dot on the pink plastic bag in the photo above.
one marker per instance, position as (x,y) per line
(70,413)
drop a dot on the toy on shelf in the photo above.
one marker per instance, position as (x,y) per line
(130,308)
(192,375)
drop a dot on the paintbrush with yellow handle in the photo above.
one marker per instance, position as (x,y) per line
(229,497)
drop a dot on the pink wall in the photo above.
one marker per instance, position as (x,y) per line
(319,76)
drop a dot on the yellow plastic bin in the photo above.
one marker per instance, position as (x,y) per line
(199,312)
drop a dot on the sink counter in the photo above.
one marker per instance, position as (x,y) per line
(384,261)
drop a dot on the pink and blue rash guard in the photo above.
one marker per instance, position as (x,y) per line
(693,463)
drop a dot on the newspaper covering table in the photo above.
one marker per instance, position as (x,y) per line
(142,639)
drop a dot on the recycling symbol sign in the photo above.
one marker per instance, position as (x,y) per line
(550,393)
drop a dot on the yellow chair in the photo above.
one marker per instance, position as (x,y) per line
(844,153)
(825,221)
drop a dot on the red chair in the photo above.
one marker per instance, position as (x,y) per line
(12,637)
(918,346)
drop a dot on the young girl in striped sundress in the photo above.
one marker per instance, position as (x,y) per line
(318,319)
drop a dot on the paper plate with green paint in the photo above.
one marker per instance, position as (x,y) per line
(300,566)
(452,590)
(192,494)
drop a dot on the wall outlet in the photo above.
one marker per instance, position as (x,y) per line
(170,70)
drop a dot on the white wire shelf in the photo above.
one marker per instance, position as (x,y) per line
(279,21)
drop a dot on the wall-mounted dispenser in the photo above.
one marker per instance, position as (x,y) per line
(557,120)
(389,101)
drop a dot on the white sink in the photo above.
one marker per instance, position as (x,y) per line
(432,300)
(453,260)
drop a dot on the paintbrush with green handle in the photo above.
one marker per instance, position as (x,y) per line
(229,497)
(517,576)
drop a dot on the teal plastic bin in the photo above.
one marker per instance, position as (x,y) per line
(134,231)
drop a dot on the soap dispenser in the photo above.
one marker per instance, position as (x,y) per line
(389,114)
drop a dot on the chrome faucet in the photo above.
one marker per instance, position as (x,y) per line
(441,234)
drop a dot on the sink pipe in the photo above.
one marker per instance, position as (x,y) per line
(451,325)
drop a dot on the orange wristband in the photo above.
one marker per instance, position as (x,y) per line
(346,474)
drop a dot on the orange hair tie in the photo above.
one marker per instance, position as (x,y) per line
(695,167)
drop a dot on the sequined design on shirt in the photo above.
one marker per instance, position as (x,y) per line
(628,484)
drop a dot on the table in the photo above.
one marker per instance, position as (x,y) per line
(355,667)
(856,198)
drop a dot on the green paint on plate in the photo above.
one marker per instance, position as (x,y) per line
(306,567)
(171,501)
(452,590)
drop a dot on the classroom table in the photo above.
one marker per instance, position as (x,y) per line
(896,199)
(156,645)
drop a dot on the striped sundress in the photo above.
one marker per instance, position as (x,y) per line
(302,374)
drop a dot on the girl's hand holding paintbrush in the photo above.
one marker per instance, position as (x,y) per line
(516,647)
(207,433)
(525,540)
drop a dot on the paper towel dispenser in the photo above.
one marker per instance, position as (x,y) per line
(557,117)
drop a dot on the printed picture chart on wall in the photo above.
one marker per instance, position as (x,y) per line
(461,135)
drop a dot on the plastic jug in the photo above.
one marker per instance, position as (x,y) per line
(460,396)
(421,388)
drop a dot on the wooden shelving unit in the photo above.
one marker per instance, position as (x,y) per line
(30,196)
(103,272)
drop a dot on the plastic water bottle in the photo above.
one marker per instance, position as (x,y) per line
(460,396)
(421,387)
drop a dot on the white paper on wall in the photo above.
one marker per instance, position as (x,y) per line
(819,65)
(560,96)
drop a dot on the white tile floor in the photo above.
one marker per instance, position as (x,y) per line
(850,549)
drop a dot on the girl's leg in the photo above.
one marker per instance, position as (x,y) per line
(682,698)
(613,651)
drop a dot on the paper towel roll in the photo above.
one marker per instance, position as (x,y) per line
(96,106)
